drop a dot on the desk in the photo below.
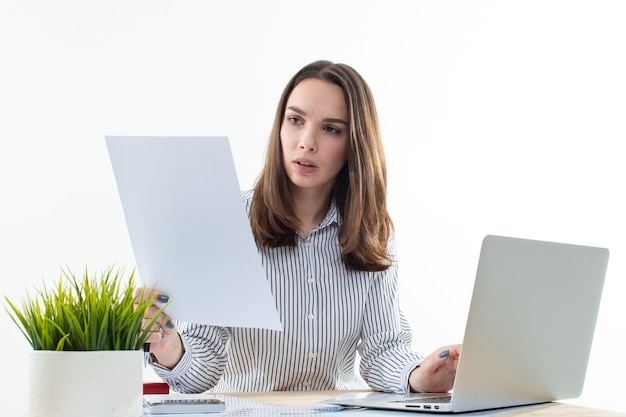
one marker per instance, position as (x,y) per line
(307,398)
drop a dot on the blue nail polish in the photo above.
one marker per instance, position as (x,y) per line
(162,298)
(444,354)
(169,324)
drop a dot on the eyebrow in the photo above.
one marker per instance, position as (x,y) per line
(327,120)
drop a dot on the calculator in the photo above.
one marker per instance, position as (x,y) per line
(158,404)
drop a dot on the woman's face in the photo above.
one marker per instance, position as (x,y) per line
(314,135)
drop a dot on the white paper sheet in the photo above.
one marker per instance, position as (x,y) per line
(190,233)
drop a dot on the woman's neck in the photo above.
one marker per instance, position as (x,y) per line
(311,208)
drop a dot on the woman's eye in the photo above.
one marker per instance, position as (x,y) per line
(331,129)
(294,120)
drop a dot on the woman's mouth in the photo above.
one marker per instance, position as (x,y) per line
(305,163)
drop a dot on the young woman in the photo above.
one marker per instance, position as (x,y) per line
(319,216)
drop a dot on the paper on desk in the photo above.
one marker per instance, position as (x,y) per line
(189,231)
(245,407)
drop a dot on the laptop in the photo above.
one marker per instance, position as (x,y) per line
(529,330)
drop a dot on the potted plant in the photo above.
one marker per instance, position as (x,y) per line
(87,335)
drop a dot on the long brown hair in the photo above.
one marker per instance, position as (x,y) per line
(360,190)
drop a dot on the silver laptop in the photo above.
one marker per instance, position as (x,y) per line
(529,330)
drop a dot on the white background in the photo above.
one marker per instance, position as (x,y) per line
(498,118)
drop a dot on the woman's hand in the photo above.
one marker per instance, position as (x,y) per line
(165,343)
(436,373)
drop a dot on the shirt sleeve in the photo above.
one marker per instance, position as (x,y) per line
(385,347)
(203,361)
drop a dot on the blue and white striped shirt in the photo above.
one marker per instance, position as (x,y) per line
(328,313)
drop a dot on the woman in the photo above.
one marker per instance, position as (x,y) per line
(318,214)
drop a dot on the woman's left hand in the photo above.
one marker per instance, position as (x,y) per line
(436,373)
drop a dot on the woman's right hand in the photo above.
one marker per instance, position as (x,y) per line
(165,343)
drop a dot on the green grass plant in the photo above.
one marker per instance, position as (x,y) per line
(85,313)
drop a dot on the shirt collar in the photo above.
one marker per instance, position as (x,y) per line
(332,216)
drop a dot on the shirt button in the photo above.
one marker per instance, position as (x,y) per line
(306,243)
(306,383)
(310,280)
(311,355)
(311,316)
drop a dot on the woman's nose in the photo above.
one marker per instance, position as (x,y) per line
(308,140)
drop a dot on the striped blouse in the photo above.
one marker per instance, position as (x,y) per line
(328,314)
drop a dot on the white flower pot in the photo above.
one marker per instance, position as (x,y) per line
(86,384)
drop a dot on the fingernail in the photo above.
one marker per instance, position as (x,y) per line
(169,324)
(162,298)
(444,354)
